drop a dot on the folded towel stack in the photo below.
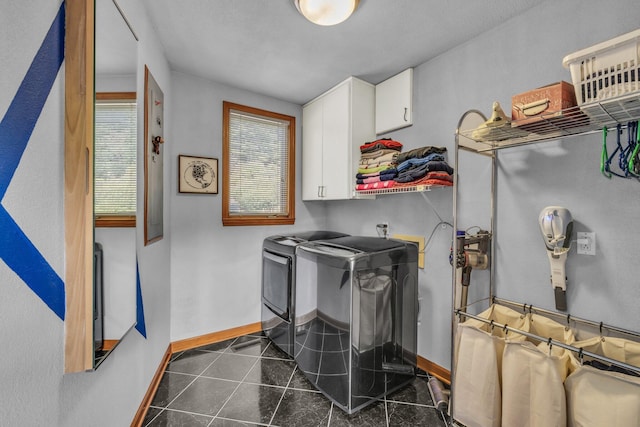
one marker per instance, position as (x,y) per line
(391,168)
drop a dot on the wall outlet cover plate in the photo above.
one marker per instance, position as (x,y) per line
(586,243)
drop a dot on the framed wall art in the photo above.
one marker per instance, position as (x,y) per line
(197,175)
(153,159)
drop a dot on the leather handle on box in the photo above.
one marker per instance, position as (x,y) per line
(533,108)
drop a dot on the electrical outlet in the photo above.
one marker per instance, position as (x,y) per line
(586,243)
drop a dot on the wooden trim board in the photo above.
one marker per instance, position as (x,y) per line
(151,392)
(214,337)
(436,370)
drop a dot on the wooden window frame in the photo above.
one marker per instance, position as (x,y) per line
(235,220)
(115,221)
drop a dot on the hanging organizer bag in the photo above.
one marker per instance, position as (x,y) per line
(597,397)
(477,393)
(503,315)
(533,392)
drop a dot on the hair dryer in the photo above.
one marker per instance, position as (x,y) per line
(556,225)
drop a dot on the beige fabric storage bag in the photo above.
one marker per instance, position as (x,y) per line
(547,328)
(505,316)
(602,398)
(533,392)
(476,393)
(476,396)
(598,398)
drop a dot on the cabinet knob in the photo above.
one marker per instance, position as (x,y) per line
(405,113)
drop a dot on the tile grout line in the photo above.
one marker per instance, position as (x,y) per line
(330,415)
(283,393)
(185,412)
(194,380)
(241,381)
(386,411)
(188,385)
(171,401)
(420,405)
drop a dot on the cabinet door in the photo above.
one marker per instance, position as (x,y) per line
(394,102)
(312,150)
(336,148)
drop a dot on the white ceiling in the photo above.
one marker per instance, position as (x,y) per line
(266,46)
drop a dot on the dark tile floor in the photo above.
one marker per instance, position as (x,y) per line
(247,381)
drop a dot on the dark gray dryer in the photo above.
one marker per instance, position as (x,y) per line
(279,284)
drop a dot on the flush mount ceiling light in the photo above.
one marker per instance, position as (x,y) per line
(326,12)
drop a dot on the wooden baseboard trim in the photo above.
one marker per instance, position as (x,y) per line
(214,337)
(109,344)
(151,392)
(436,370)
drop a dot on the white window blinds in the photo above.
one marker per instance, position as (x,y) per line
(258,165)
(115,158)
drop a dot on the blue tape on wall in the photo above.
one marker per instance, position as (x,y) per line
(16,128)
(17,251)
(23,112)
(140,325)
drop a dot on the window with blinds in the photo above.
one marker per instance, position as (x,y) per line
(258,166)
(115,159)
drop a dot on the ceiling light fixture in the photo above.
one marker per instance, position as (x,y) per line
(326,12)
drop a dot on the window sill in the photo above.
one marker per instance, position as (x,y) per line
(115,221)
(257,221)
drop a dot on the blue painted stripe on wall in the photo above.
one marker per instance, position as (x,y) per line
(23,112)
(140,324)
(16,128)
(23,258)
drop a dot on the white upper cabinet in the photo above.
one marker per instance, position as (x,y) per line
(394,102)
(334,125)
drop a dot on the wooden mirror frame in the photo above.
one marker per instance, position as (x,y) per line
(78,188)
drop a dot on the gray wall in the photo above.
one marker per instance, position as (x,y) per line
(522,54)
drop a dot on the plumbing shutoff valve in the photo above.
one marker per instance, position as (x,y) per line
(383,230)
(556,226)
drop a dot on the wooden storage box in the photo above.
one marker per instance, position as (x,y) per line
(530,108)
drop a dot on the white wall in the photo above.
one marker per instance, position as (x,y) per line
(35,391)
(522,54)
(216,270)
(119,274)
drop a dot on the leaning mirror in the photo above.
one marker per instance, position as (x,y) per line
(95,319)
(115,176)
